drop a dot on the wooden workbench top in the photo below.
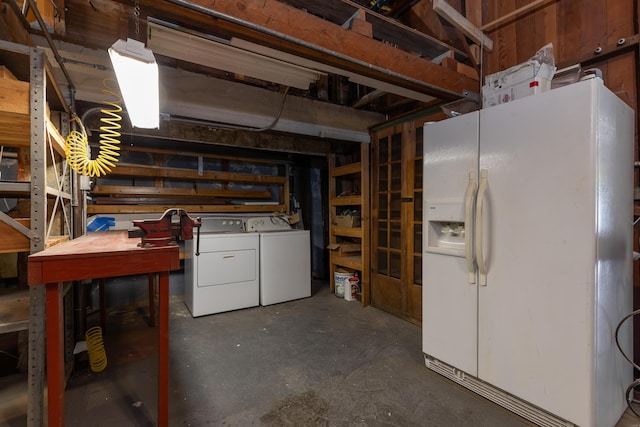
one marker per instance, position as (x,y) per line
(97,255)
(91,245)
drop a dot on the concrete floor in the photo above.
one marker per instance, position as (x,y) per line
(320,361)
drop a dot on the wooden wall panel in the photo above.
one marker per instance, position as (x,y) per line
(504,52)
(474,12)
(527,31)
(550,22)
(569,25)
(593,31)
(620,75)
(576,28)
(620,19)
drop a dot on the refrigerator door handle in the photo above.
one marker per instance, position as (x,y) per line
(482,267)
(468,225)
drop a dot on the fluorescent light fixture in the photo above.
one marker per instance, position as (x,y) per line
(219,54)
(137,73)
(354,77)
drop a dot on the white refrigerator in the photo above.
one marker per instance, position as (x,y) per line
(527,265)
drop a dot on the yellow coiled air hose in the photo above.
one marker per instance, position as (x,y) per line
(95,347)
(77,144)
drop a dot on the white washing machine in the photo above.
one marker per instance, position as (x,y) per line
(221,268)
(285,260)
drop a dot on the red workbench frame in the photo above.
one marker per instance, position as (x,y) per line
(94,256)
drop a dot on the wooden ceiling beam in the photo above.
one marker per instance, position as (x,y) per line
(188,133)
(274,24)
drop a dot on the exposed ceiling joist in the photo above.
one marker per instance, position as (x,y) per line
(290,30)
(189,133)
(456,19)
(383,27)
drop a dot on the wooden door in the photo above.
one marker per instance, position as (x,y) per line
(396,220)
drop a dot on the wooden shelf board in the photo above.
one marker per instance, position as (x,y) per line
(15,120)
(14,311)
(350,169)
(12,240)
(346,232)
(128,191)
(113,209)
(124,169)
(55,240)
(354,262)
(152,201)
(17,189)
(56,139)
(347,200)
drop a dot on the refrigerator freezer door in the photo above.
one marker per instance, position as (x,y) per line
(449,301)
(538,310)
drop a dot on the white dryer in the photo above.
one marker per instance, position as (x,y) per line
(285,259)
(221,268)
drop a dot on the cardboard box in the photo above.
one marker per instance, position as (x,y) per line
(517,82)
(345,249)
(347,221)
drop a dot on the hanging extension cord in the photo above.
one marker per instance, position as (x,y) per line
(630,390)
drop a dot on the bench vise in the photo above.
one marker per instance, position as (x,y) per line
(164,231)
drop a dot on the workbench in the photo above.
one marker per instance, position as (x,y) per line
(94,256)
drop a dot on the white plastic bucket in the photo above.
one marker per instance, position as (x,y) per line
(341,278)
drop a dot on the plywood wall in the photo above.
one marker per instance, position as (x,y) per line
(577,28)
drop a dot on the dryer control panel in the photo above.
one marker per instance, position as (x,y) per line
(222,225)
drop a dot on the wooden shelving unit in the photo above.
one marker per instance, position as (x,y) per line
(33,117)
(349,191)
(155,180)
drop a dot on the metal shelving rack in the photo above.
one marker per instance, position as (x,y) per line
(49,193)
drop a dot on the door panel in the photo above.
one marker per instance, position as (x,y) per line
(397,220)
(540,248)
(414,228)
(449,322)
(386,290)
